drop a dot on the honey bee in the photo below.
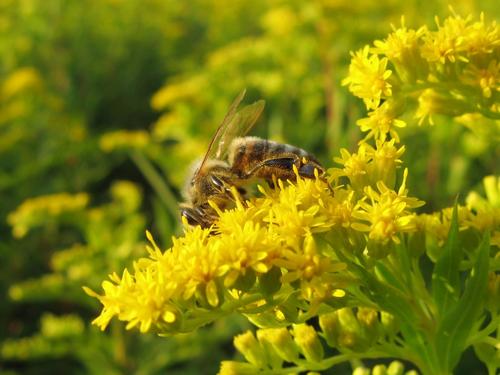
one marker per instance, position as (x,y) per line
(234,160)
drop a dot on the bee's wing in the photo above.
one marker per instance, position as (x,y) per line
(235,123)
(238,126)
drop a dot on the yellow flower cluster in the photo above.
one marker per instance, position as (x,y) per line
(35,211)
(436,72)
(280,244)
(22,79)
(124,139)
(479,215)
(268,236)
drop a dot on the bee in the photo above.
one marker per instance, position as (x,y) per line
(235,160)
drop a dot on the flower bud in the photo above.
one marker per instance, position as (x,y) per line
(379,370)
(272,358)
(395,368)
(385,159)
(307,339)
(247,344)
(348,320)
(389,323)
(236,368)
(368,318)
(353,334)
(329,324)
(361,371)
(282,342)
(493,291)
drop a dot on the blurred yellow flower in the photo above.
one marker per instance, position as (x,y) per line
(21,79)
(279,21)
(486,78)
(124,139)
(37,210)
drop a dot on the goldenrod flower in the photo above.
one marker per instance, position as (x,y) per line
(485,212)
(446,44)
(370,165)
(433,71)
(386,158)
(432,102)
(401,42)
(486,78)
(355,167)
(381,122)
(402,47)
(460,39)
(368,77)
(480,38)
(387,213)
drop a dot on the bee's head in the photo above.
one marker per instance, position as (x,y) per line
(205,181)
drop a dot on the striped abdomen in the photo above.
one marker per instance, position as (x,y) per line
(252,157)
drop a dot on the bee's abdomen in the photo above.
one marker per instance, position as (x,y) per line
(247,153)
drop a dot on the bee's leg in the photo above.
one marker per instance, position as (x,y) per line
(280,167)
(271,184)
(309,169)
(219,183)
(283,168)
(242,191)
(196,216)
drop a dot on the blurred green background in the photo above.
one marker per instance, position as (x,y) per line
(103,107)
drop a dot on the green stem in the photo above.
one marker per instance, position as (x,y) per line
(486,332)
(156,181)
(328,363)
(205,317)
(120,347)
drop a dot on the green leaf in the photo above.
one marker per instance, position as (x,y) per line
(383,273)
(445,278)
(402,254)
(489,355)
(385,296)
(269,283)
(457,323)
